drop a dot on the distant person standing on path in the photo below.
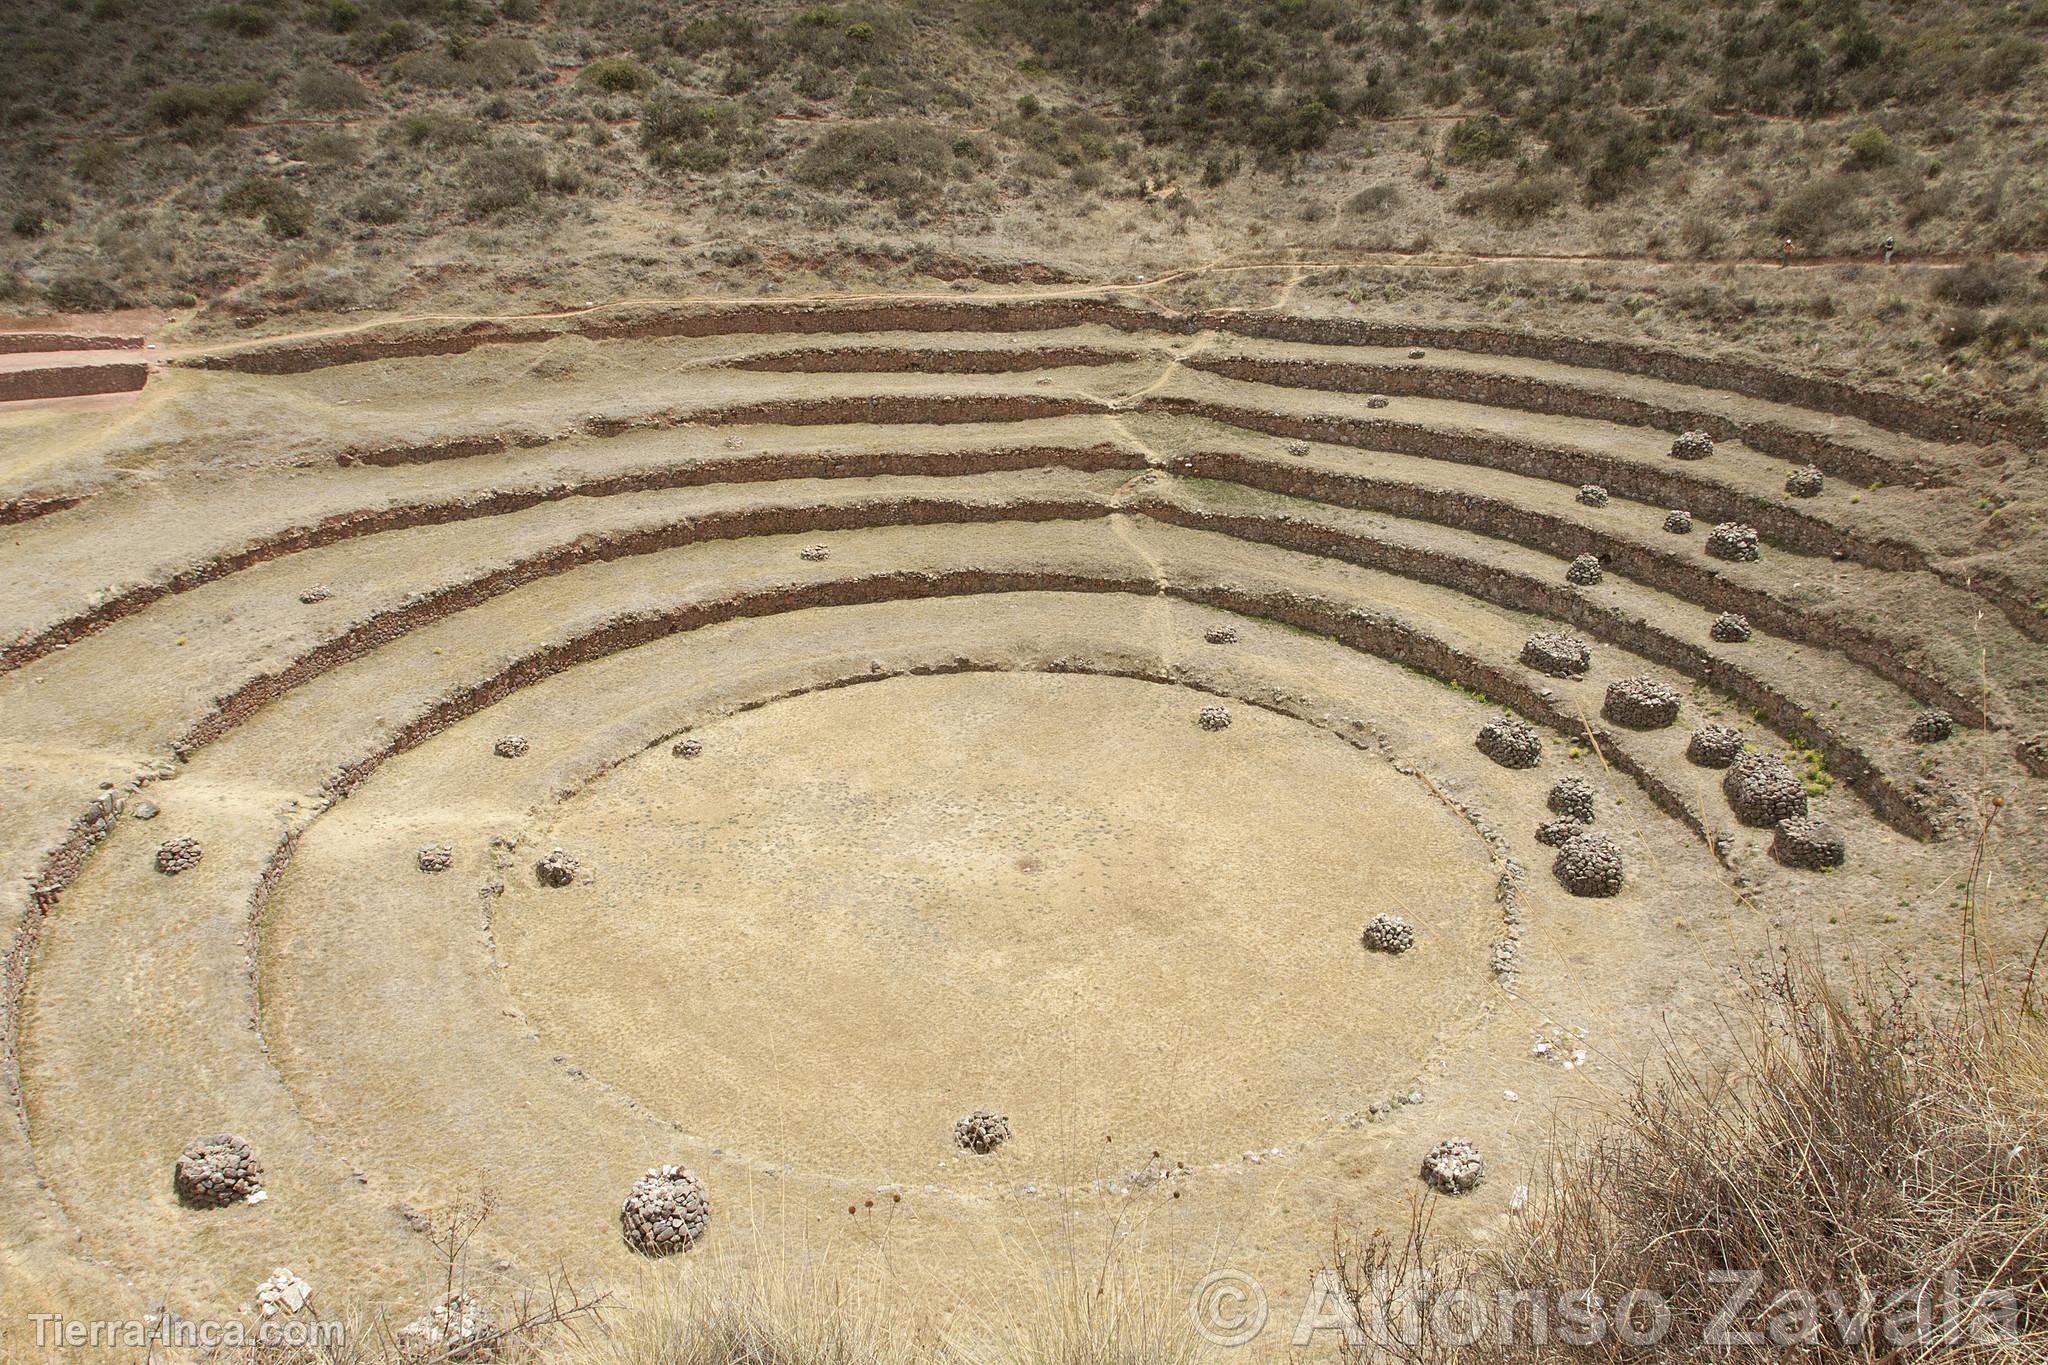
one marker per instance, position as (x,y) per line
(1888,247)
(1785,252)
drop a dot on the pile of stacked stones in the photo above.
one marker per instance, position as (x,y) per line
(982,1131)
(1802,841)
(1511,742)
(457,1327)
(1640,703)
(1730,628)
(557,868)
(1714,745)
(1733,541)
(1557,654)
(1931,726)
(1453,1166)
(1589,864)
(1571,803)
(217,1171)
(1766,794)
(1389,934)
(666,1211)
(180,854)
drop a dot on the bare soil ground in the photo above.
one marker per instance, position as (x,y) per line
(932,581)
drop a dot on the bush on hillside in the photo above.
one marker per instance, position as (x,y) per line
(226,102)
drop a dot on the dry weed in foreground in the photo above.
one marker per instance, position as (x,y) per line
(1862,1181)
(719,1314)
(782,1310)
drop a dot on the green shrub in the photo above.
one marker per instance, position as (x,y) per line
(695,136)
(615,75)
(504,177)
(342,15)
(1869,148)
(36,218)
(1980,284)
(247,21)
(379,206)
(2006,64)
(895,159)
(328,90)
(398,36)
(284,211)
(1818,210)
(97,161)
(1372,201)
(227,102)
(1519,198)
(1481,137)
(438,129)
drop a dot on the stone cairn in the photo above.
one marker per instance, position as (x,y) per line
(1511,742)
(1761,790)
(457,1327)
(982,1131)
(1213,718)
(1558,831)
(1220,635)
(1592,495)
(814,554)
(557,868)
(1640,703)
(510,746)
(319,592)
(436,858)
(1378,400)
(1389,934)
(1803,841)
(1804,482)
(217,1171)
(1733,541)
(1453,1167)
(1297,447)
(1583,571)
(1677,522)
(1692,445)
(1557,654)
(688,747)
(180,854)
(1714,745)
(1730,628)
(1931,726)
(1574,797)
(1589,865)
(666,1211)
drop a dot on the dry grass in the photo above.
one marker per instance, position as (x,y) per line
(794,1313)
(1856,1147)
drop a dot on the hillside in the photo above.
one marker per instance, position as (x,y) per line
(340,155)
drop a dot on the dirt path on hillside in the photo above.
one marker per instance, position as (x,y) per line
(1299,268)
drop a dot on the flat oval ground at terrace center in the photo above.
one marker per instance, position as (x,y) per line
(857,915)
